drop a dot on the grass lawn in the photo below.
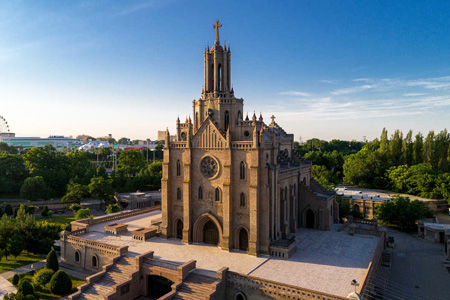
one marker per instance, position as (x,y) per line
(57,219)
(22,260)
(45,294)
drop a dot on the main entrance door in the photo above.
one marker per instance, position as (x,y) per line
(210,233)
(158,286)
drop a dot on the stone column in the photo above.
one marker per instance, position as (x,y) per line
(187,195)
(253,204)
(227,203)
(166,230)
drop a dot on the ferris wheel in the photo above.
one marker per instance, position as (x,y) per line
(4,127)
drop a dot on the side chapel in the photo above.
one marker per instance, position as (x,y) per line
(234,181)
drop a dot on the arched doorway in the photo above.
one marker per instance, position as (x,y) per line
(158,286)
(310,222)
(243,239)
(210,233)
(179,229)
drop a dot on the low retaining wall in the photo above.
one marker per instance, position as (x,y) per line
(265,289)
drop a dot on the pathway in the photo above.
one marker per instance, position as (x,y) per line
(8,287)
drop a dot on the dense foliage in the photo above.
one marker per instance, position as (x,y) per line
(420,167)
(43,173)
(402,212)
(24,233)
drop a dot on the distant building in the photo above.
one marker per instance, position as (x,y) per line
(30,142)
(84,138)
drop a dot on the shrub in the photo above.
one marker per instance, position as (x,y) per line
(75,207)
(29,297)
(52,261)
(112,208)
(60,284)
(44,212)
(9,210)
(50,213)
(83,214)
(15,279)
(25,287)
(42,277)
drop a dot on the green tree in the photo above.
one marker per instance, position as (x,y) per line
(8,210)
(130,162)
(112,208)
(395,148)
(428,149)
(12,173)
(52,261)
(75,207)
(52,165)
(402,212)
(76,192)
(408,149)
(83,213)
(60,284)
(16,245)
(418,149)
(34,188)
(101,188)
(384,142)
(123,141)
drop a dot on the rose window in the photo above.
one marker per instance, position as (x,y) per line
(209,167)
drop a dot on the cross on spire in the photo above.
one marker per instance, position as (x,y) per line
(273,119)
(217,31)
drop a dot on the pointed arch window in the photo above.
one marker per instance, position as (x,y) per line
(227,120)
(218,194)
(178,168)
(200,193)
(178,194)
(242,170)
(242,202)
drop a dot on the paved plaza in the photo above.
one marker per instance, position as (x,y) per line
(325,261)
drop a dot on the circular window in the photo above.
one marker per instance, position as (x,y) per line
(246,134)
(209,167)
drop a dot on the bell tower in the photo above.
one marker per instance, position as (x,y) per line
(217,67)
(217,101)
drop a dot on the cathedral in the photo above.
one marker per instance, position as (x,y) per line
(236,200)
(234,181)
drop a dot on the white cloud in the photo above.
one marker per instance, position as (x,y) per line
(413,94)
(295,93)
(352,89)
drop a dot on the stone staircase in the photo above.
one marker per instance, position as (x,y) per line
(196,287)
(99,287)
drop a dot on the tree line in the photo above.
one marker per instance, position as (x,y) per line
(43,173)
(412,164)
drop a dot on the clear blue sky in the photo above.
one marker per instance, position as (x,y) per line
(327,69)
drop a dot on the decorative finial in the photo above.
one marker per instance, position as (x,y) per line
(273,119)
(260,117)
(217,31)
(246,118)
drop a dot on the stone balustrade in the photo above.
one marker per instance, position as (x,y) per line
(276,289)
(98,246)
(241,145)
(372,270)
